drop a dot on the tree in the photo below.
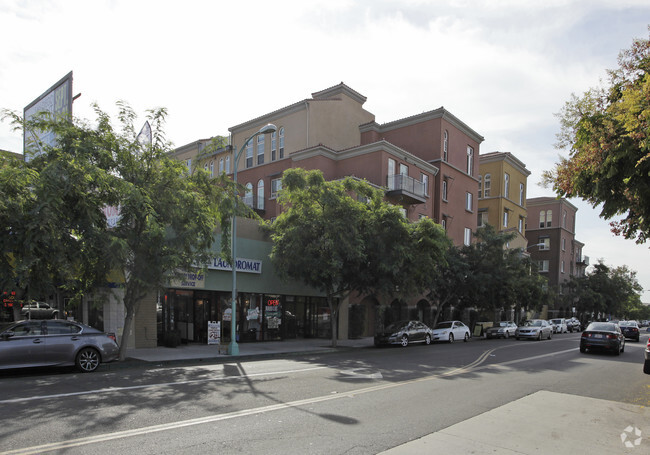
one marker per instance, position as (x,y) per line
(167,214)
(607,132)
(448,287)
(340,236)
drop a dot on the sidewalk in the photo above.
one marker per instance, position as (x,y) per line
(201,352)
(541,423)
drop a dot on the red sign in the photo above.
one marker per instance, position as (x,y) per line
(273,302)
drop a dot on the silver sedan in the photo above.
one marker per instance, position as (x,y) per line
(39,343)
(536,329)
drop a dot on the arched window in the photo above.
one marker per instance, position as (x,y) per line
(487,184)
(220,165)
(211,168)
(281,142)
(260,194)
(248,195)
(228,164)
(445,146)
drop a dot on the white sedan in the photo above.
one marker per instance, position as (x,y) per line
(450,331)
(536,329)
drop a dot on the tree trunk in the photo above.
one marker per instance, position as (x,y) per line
(334,320)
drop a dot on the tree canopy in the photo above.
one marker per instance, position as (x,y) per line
(607,133)
(341,237)
(56,231)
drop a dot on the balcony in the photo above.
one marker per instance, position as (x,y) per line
(582,260)
(406,189)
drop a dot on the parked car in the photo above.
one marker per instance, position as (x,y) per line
(646,364)
(560,325)
(404,333)
(552,324)
(38,310)
(537,329)
(450,331)
(603,335)
(573,325)
(505,329)
(55,342)
(630,329)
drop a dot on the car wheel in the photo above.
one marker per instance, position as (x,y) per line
(87,360)
(550,334)
(466,338)
(539,337)
(451,337)
(618,350)
(517,338)
(583,349)
(623,346)
(427,339)
(646,367)
(404,341)
(506,335)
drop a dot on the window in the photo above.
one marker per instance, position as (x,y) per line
(444,190)
(506,185)
(228,164)
(545,243)
(425,183)
(468,201)
(445,146)
(482,219)
(470,160)
(564,219)
(487,183)
(273,145)
(542,266)
(549,217)
(563,244)
(562,267)
(249,154)
(220,165)
(391,173)
(276,186)
(248,195)
(403,169)
(260,194)
(542,218)
(520,226)
(189,165)
(444,224)
(505,218)
(260,149)
(467,240)
(480,185)
(522,194)
(212,168)
(281,143)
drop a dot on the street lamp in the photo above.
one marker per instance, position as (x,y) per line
(233,347)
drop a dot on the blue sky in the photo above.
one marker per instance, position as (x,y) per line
(505,67)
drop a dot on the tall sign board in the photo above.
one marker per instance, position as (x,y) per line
(57,100)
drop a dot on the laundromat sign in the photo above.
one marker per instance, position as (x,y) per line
(241,265)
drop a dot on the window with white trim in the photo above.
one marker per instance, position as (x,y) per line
(467,238)
(220,165)
(248,195)
(444,190)
(260,194)
(505,218)
(249,154)
(228,164)
(545,243)
(212,168)
(522,194)
(549,217)
(506,185)
(482,219)
(260,149)
(274,141)
(276,186)
(487,183)
(470,160)
(562,267)
(469,201)
(542,266)
(281,134)
(480,186)
(424,178)
(445,146)
(520,226)
(542,219)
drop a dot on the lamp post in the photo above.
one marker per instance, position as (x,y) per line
(233,347)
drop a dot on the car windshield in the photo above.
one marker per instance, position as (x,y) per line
(503,324)
(443,325)
(627,324)
(605,326)
(396,326)
(534,323)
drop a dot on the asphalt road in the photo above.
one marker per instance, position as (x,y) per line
(354,402)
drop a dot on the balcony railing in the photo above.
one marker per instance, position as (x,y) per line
(407,187)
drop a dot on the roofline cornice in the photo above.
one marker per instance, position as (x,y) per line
(508,157)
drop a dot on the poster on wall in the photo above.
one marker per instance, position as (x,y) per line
(214,332)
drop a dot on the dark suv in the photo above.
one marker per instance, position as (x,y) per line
(38,310)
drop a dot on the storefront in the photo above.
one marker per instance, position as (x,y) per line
(260,317)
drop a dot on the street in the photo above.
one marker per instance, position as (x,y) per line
(361,401)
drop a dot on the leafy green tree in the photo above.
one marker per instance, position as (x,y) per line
(448,286)
(341,237)
(167,214)
(607,133)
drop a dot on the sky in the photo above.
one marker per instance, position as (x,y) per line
(504,67)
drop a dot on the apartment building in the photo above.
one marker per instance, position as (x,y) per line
(551,236)
(502,190)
